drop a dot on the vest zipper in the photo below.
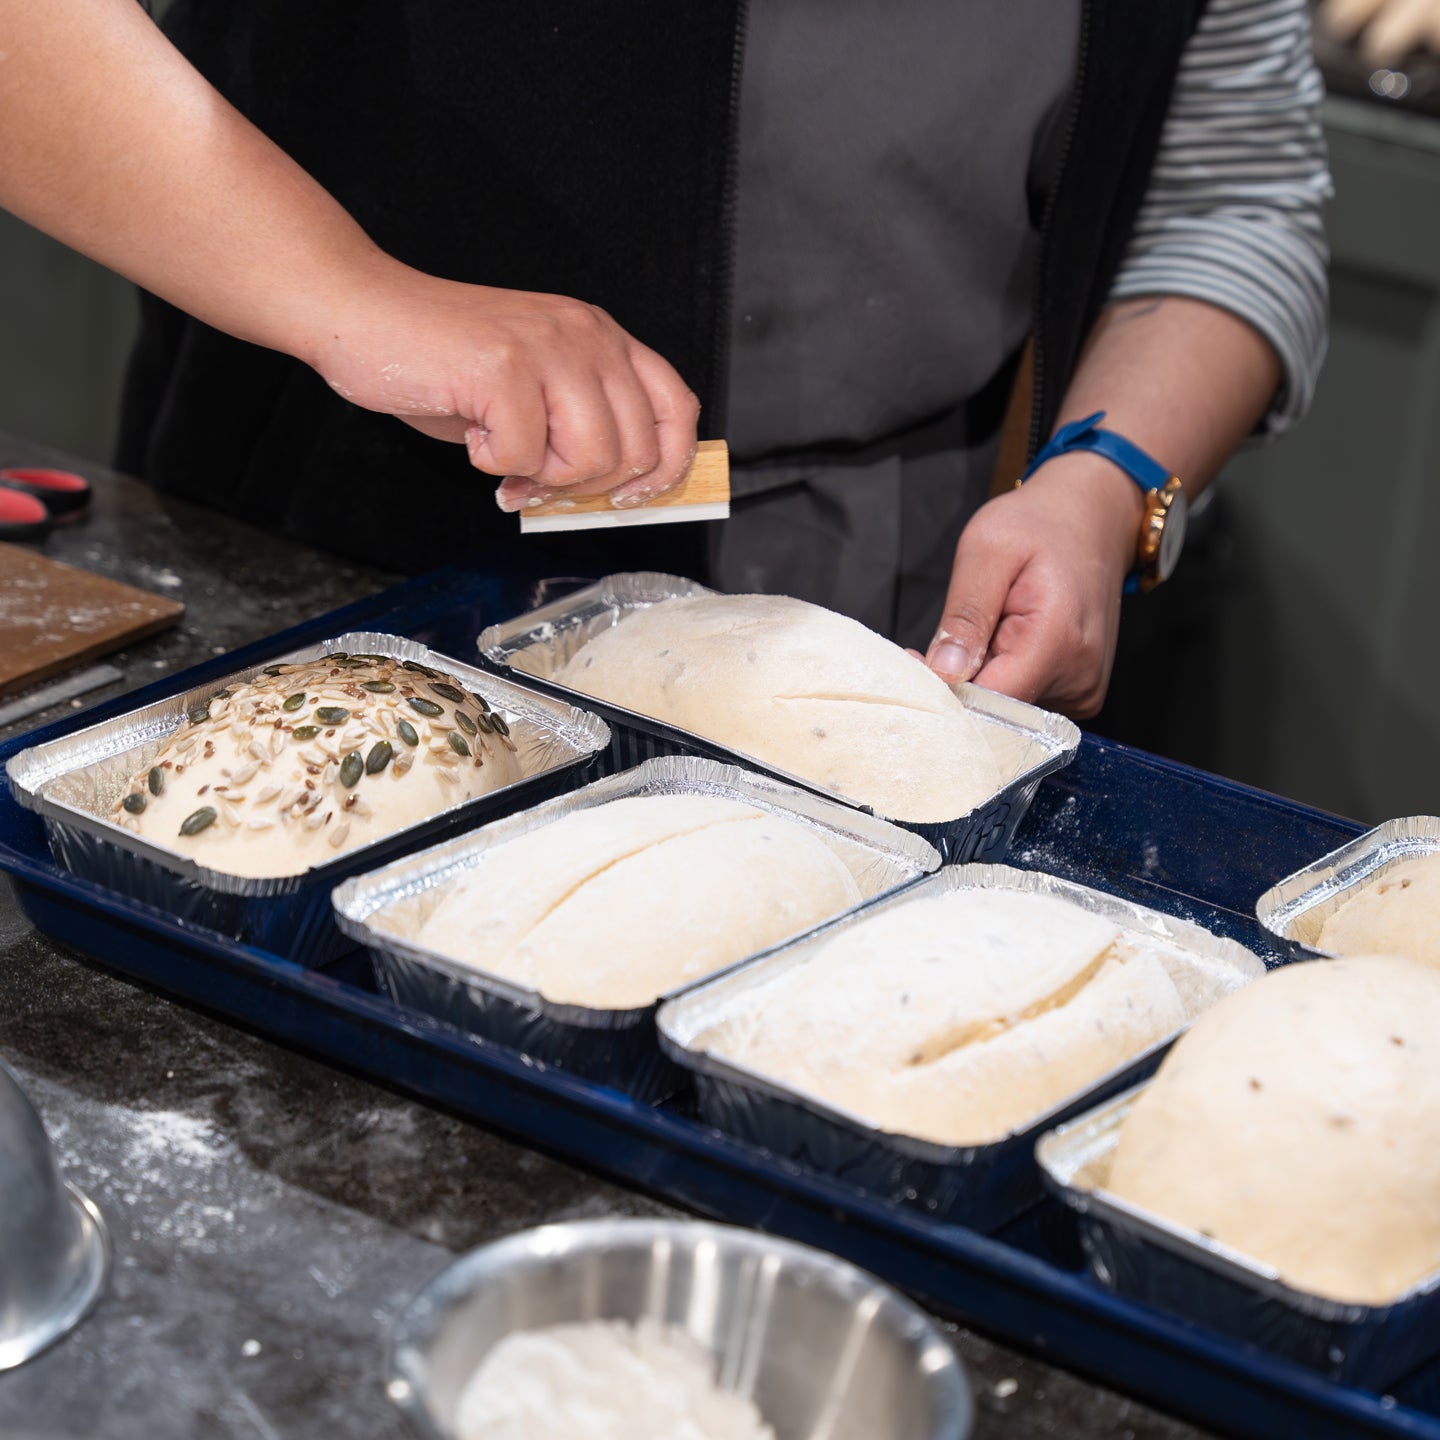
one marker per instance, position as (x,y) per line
(1037,330)
(712,424)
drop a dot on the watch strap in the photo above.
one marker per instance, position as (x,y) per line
(1146,471)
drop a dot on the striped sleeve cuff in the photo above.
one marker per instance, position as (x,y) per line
(1233,215)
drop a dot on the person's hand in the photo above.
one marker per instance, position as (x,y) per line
(545,390)
(1034,603)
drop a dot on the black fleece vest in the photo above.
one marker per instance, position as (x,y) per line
(564,147)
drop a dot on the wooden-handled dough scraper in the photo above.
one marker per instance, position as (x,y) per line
(704,494)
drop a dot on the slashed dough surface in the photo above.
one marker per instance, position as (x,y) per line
(956,1018)
(1398,914)
(613,906)
(1299,1123)
(801,688)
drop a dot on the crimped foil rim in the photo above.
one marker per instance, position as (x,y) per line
(1295,908)
(1043,740)
(678,1029)
(1092,1137)
(361,897)
(34,770)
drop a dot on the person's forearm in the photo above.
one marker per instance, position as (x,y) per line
(1186,381)
(111,142)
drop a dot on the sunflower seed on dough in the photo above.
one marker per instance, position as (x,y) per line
(267,794)
(262,824)
(338,834)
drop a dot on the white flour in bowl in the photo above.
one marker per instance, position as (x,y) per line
(603,1380)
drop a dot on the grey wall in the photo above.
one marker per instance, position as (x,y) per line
(65,327)
(1332,691)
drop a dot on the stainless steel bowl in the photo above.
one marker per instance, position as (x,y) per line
(54,1250)
(822,1348)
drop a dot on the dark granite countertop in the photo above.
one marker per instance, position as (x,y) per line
(270,1214)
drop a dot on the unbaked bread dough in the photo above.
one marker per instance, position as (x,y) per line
(1396,914)
(603,1380)
(1298,1122)
(613,906)
(304,762)
(957,1018)
(801,688)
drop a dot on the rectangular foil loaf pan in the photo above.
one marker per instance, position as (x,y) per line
(1297,908)
(981,1186)
(614,1047)
(1028,743)
(1143,1256)
(73,783)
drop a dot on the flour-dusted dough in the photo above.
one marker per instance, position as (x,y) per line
(956,1018)
(266,771)
(603,1380)
(1397,914)
(801,688)
(613,906)
(1298,1122)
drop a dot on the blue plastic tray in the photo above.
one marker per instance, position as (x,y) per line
(1159,833)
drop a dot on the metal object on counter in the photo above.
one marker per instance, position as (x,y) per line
(1146,1257)
(821,1347)
(1028,743)
(68,687)
(615,1047)
(54,1248)
(1297,908)
(981,1186)
(73,783)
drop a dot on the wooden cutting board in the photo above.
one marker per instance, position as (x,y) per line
(53,617)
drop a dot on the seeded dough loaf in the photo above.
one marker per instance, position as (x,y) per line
(1298,1122)
(1399,914)
(801,688)
(958,1018)
(304,762)
(613,906)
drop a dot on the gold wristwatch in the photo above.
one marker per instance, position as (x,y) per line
(1162,530)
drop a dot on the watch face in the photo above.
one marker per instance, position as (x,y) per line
(1172,536)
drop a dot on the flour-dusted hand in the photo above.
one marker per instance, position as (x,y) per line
(1034,603)
(116,145)
(544,389)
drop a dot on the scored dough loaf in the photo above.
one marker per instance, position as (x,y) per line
(259,773)
(1298,1122)
(957,1018)
(1396,914)
(613,906)
(801,688)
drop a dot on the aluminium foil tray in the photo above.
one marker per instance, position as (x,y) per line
(1157,833)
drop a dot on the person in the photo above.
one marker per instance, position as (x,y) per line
(846,221)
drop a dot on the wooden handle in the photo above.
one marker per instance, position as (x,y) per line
(704,494)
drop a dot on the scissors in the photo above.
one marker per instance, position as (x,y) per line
(32,500)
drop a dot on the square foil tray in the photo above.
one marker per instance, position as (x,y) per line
(1297,908)
(981,1186)
(1028,743)
(72,783)
(613,1047)
(1142,1256)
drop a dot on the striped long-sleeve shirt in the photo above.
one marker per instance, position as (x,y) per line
(1233,214)
(893,167)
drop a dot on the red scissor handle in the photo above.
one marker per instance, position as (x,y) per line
(61,492)
(22,517)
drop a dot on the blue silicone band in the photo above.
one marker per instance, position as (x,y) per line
(1147,472)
